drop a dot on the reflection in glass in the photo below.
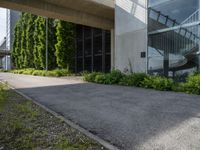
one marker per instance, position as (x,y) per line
(173,37)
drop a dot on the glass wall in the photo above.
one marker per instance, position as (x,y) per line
(173,37)
(93,49)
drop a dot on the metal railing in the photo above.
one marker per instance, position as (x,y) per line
(192,18)
(184,35)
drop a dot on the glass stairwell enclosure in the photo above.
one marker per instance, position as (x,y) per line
(173,37)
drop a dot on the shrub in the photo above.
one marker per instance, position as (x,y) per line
(110,78)
(38,73)
(133,80)
(27,71)
(23,71)
(90,77)
(2,70)
(192,85)
(113,78)
(158,83)
(58,73)
(178,87)
(100,78)
(53,73)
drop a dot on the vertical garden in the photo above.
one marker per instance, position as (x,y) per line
(29,45)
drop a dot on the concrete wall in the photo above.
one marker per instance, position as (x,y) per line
(6,63)
(11,19)
(130,35)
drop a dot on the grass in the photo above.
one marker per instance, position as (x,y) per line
(24,125)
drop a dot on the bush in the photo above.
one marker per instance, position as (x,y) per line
(38,73)
(158,83)
(27,71)
(192,85)
(2,70)
(23,71)
(100,78)
(113,78)
(58,73)
(90,77)
(135,79)
(109,78)
(52,73)
(178,87)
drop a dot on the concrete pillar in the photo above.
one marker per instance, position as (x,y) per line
(166,64)
(1,63)
(198,53)
(131,35)
(198,56)
(166,47)
(6,63)
(112,49)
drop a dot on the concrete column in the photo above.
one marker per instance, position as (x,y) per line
(112,49)
(167,47)
(198,53)
(6,63)
(131,35)
(1,64)
(166,64)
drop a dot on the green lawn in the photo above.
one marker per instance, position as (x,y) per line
(26,126)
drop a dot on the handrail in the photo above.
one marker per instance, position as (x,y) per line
(179,26)
(197,11)
(175,28)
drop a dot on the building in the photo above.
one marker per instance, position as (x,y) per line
(2,49)
(11,18)
(154,36)
(158,37)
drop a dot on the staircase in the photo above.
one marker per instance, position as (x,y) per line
(181,41)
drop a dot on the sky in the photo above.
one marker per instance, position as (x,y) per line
(2,23)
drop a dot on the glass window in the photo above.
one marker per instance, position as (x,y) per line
(173,37)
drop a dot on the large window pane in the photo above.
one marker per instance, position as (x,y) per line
(174,36)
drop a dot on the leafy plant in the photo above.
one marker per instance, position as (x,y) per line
(65,49)
(109,78)
(90,77)
(135,79)
(53,73)
(100,78)
(29,47)
(113,78)
(158,83)
(192,84)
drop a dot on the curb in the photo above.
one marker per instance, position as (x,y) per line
(70,123)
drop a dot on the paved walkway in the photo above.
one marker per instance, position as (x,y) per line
(131,118)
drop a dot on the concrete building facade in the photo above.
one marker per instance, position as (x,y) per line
(11,18)
(154,36)
(131,35)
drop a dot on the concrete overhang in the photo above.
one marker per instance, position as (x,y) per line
(95,13)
